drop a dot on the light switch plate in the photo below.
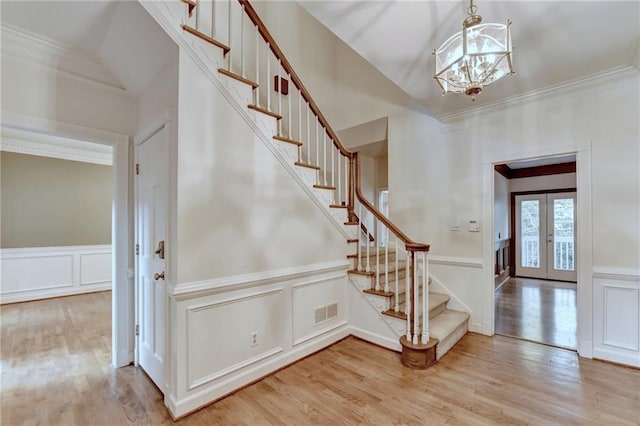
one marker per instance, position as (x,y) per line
(474,226)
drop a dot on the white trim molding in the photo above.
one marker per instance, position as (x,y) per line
(465,262)
(22,141)
(184,291)
(44,272)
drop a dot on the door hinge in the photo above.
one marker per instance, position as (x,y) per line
(137,249)
(137,330)
(137,168)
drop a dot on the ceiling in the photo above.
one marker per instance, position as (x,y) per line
(119,35)
(554,41)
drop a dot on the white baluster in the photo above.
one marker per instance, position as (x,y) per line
(425,298)
(324,154)
(268,76)
(333,169)
(346,180)
(397,306)
(241,40)
(197,15)
(386,260)
(213,19)
(308,141)
(228,35)
(360,236)
(407,297)
(339,182)
(280,96)
(299,124)
(416,298)
(358,250)
(289,109)
(377,240)
(257,103)
(368,253)
(316,162)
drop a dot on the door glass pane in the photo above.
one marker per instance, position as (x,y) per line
(530,232)
(563,234)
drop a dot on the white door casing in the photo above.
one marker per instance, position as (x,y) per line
(152,186)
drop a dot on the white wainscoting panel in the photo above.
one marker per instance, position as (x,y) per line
(219,340)
(312,295)
(617,318)
(214,322)
(42,272)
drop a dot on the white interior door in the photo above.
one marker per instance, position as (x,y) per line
(545,236)
(152,157)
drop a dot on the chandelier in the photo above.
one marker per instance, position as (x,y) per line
(475,57)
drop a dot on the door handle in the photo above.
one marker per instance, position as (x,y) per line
(158,276)
(160,250)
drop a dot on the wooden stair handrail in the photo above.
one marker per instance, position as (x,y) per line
(352,156)
(408,242)
(294,77)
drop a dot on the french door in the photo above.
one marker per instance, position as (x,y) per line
(546,236)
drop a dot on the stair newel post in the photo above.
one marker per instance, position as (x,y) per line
(407,296)
(425,297)
(396,308)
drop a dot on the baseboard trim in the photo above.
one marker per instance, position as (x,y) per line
(376,339)
(31,295)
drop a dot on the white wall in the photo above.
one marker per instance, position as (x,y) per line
(238,211)
(34,90)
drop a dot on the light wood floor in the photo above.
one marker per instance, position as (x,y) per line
(538,310)
(55,370)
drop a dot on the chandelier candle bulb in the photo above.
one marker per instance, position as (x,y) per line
(475,57)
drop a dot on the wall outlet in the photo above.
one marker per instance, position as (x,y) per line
(254,338)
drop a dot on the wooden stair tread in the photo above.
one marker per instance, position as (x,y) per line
(307,165)
(338,206)
(353,271)
(435,301)
(287,140)
(265,111)
(318,186)
(240,78)
(352,223)
(352,256)
(206,38)
(352,240)
(379,292)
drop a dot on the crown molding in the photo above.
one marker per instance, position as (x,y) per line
(610,75)
(29,142)
(22,45)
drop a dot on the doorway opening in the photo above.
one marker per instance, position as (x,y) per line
(535,212)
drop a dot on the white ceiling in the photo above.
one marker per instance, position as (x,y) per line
(120,35)
(554,41)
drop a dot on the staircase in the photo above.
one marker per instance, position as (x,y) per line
(389,268)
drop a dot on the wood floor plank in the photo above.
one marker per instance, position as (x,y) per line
(55,357)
